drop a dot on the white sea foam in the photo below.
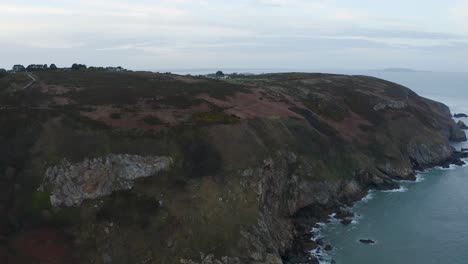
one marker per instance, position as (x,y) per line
(451,167)
(401,189)
(419,178)
(466,163)
(368,197)
(321,255)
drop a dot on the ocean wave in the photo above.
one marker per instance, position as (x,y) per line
(401,189)
(321,255)
(419,178)
(451,167)
(370,195)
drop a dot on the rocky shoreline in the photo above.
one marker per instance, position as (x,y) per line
(308,240)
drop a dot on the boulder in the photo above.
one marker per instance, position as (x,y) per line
(462,125)
(346,221)
(460,115)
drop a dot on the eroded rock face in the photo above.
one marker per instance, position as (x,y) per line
(427,153)
(390,105)
(462,125)
(72,183)
(457,134)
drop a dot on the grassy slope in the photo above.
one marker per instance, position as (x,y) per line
(205,203)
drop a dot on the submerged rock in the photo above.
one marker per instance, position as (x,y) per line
(367,241)
(72,183)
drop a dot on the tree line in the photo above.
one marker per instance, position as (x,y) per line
(53,67)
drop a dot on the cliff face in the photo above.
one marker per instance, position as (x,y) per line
(176,169)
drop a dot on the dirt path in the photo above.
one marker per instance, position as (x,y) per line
(33,81)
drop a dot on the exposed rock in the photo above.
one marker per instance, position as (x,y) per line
(426,153)
(346,221)
(462,125)
(460,115)
(457,134)
(328,248)
(73,183)
(390,105)
(367,241)
(343,214)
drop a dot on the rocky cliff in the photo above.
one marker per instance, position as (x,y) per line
(153,168)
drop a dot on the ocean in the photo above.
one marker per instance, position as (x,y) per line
(424,221)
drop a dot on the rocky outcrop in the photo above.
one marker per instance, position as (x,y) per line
(460,115)
(457,134)
(72,183)
(367,241)
(427,153)
(391,104)
(462,125)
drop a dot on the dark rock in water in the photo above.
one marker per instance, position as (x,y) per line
(464,149)
(456,133)
(367,241)
(343,214)
(460,115)
(319,242)
(346,221)
(462,125)
(456,159)
(459,162)
(328,248)
(311,245)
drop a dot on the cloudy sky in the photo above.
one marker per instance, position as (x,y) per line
(265,34)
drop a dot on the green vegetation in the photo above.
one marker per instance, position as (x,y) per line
(128,88)
(152,120)
(205,202)
(3,73)
(78,67)
(329,109)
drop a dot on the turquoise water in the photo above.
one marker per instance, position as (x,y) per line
(423,222)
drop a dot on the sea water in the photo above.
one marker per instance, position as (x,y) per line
(423,222)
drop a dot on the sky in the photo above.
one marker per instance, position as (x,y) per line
(303,35)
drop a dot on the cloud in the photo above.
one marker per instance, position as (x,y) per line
(192,29)
(460,15)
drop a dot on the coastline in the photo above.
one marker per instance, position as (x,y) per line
(321,253)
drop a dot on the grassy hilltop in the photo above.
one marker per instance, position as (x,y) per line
(254,161)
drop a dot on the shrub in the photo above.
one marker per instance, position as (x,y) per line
(115,115)
(152,120)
